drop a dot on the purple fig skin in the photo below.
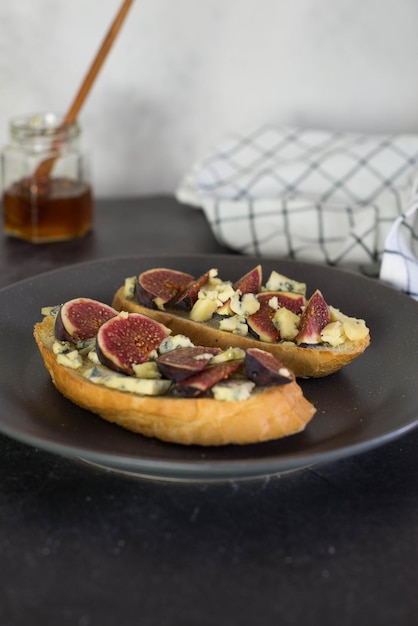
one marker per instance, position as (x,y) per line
(182,363)
(128,340)
(265,369)
(314,318)
(157,287)
(59,330)
(250,282)
(80,319)
(198,384)
(188,297)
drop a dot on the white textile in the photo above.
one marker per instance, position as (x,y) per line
(312,195)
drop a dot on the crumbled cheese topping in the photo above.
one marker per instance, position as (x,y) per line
(174,342)
(235,324)
(129,287)
(278,282)
(233,391)
(219,298)
(72,359)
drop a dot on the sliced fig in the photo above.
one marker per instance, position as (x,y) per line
(188,297)
(262,325)
(157,287)
(261,322)
(250,282)
(314,318)
(199,383)
(128,340)
(184,362)
(80,319)
(286,299)
(265,369)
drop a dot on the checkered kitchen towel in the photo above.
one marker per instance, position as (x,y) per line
(314,195)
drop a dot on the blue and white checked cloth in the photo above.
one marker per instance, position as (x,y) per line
(344,199)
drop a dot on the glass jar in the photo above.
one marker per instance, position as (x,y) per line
(46,181)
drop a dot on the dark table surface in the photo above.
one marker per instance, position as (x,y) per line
(333,544)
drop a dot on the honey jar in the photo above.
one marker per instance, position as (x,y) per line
(47,194)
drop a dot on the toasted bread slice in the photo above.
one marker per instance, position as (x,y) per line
(305,361)
(270,412)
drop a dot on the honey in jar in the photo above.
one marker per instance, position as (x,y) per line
(46,189)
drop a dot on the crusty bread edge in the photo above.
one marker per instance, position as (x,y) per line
(271,413)
(312,362)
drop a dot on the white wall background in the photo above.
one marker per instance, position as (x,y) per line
(183,73)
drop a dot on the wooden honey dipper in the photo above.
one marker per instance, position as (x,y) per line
(44,168)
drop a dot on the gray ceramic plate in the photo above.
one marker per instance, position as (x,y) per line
(368,403)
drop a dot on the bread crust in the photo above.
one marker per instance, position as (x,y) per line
(270,413)
(305,362)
